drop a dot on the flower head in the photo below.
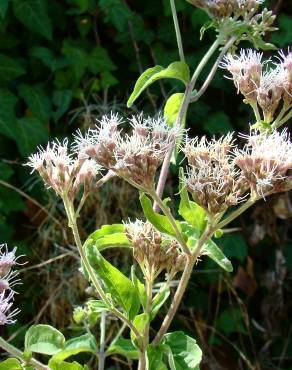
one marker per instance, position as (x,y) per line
(265,161)
(7,259)
(6,302)
(212,178)
(152,250)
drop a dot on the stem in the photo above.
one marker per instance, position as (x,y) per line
(282,121)
(101,357)
(18,354)
(213,70)
(236,213)
(256,112)
(182,112)
(73,225)
(172,220)
(177,31)
(191,260)
(142,361)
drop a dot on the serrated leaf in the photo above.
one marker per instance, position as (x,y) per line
(74,346)
(33,15)
(100,61)
(10,68)
(62,365)
(44,339)
(123,347)
(37,100)
(160,222)
(172,108)
(30,133)
(211,250)
(118,285)
(10,364)
(184,354)
(116,12)
(49,59)
(176,70)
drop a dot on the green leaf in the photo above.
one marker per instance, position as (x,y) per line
(44,339)
(10,68)
(260,44)
(123,347)
(10,364)
(209,24)
(97,306)
(47,57)
(176,70)
(100,61)
(118,285)
(37,100)
(84,343)
(109,236)
(218,123)
(7,115)
(116,12)
(234,246)
(189,210)
(3,8)
(62,100)
(172,108)
(185,354)
(62,365)
(211,250)
(140,287)
(158,302)
(29,134)
(140,322)
(160,222)
(78,58)
(33,15)
(231,321)
(154,357)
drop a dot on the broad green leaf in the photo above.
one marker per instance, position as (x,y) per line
(47,57)
(78,58)
(44,339)
(140,322)
(3,8)
(176,70)
(62,365)
(29,134)
(84,343)
(97,306)
(185,354)
(158,302)
(33,15)
(234,246)
(211,250)
(10,68)
(154,357)
(118,285)
(37,100)
(62,100)
(100,61)
(160,222)
(172,108)
(189,210)
(116,12)
(7,115)
(10,364)
(140,287)
(123,347)
(231,321)
(109,236)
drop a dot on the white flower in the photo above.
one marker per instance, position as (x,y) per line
(6,302)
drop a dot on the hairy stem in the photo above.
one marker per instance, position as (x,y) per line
(15,352)
(172,220)
(73,225)
(177,31)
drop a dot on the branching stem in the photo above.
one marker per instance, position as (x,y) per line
(177,31)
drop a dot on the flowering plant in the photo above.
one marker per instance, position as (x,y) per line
(219,182)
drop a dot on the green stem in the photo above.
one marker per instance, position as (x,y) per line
(101,357)
(15,352)
(177,31)
(282,121)
(73,225)
(256,112)
(172,220)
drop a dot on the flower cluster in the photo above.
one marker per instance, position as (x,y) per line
(262,85)
(152,250)
(63,172)
(7,281)
(136,156)
(219,9)
(265,161)
(212,177)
